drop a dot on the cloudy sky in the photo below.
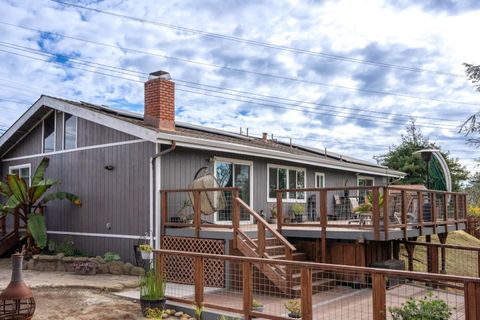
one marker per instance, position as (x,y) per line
(345,75)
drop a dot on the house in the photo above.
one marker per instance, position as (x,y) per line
(118,162)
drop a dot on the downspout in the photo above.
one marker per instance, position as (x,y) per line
(153,192)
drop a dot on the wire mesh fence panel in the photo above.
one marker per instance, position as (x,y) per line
(402,291)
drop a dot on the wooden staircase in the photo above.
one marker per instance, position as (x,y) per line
(270,244)
(8,239)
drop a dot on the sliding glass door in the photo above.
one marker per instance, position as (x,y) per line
(234,173)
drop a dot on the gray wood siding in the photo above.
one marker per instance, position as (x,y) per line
(179,167)
(30,144)
(88,134)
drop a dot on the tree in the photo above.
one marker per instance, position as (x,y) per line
(473,190)
(26,201)
(400,157)
(471,127)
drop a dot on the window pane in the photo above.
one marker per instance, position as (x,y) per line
(25,173)
(282,181)
(242,181)
(70,132)
(224,174)
(300,183)
(49,133)
(15,171)
(273,182)
(292,183)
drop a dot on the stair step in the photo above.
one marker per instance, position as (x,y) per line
(319,285)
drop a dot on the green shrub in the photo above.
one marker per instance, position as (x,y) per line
(68,248)
(111,256)
(426,308)
(297,209)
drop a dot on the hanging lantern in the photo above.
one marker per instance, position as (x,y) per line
(16,301)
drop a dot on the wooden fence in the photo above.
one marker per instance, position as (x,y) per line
(371,302)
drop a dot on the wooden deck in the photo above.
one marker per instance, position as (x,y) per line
(308,231)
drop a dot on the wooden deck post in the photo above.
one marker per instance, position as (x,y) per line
(404,214)
(323,223)
(247,289)
(433,210)
(261,239)
(478,264)
(235,217)
(410,247)
(197,212)
(443,239)
(472,298)
(306,293)
(455,210)
(198,281)
(376,213)
(159,265)
(379,297)
(279,212)
(164,218)
(420,211)
(386,217)
(445,210)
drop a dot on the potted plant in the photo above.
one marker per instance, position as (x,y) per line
(152,292)
(346,192)
(273,214)
(185,216)
(257,306)
(297,210)
(294,308)
(85,267)
(146,251)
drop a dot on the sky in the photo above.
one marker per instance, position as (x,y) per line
(343,75)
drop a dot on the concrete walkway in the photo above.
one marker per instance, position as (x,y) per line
(37,279)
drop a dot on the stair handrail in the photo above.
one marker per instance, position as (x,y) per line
(265,224)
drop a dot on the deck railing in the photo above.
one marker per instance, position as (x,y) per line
(388,208)
(326,291)
(440,258)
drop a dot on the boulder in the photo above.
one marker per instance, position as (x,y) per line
(126,268)
(178,314)
(115,267)
(137,271)
(102,268)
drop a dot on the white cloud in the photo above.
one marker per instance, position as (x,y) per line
(406,35)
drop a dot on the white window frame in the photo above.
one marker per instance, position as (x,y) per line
(234,161)
(22,166)
(64,132)
(279,166)
(365,178)
(320,174)
(54,131)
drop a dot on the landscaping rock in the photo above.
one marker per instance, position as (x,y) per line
(30,264)
(100,259)
(127,267)
(60,256)
(165,315)
(47,258)
(137,271)
(102,268)
(178,314)
(115,267)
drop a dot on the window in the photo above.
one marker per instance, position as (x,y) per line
(23,171)
(49,133)
(364,182)
(234,173)
(69,131)
(319,180)
(281,177)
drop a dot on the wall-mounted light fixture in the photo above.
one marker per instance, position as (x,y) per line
(108,167)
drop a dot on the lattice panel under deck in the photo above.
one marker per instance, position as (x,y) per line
(180,269)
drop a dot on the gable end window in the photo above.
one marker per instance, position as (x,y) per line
(23,171)
(49,133)
(69,131)
(283,177)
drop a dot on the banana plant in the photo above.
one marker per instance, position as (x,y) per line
(26,201)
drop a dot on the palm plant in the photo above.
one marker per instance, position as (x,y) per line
(26,201)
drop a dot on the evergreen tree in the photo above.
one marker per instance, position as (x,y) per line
(400,157)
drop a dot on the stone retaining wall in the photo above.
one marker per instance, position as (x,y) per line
(66,264)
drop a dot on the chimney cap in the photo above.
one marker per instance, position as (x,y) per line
(160,74)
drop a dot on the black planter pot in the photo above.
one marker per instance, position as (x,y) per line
(294,315)
(152,304)
(299,218)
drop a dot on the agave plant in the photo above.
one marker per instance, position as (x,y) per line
(26,201)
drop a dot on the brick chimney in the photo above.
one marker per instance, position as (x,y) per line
(160,101)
